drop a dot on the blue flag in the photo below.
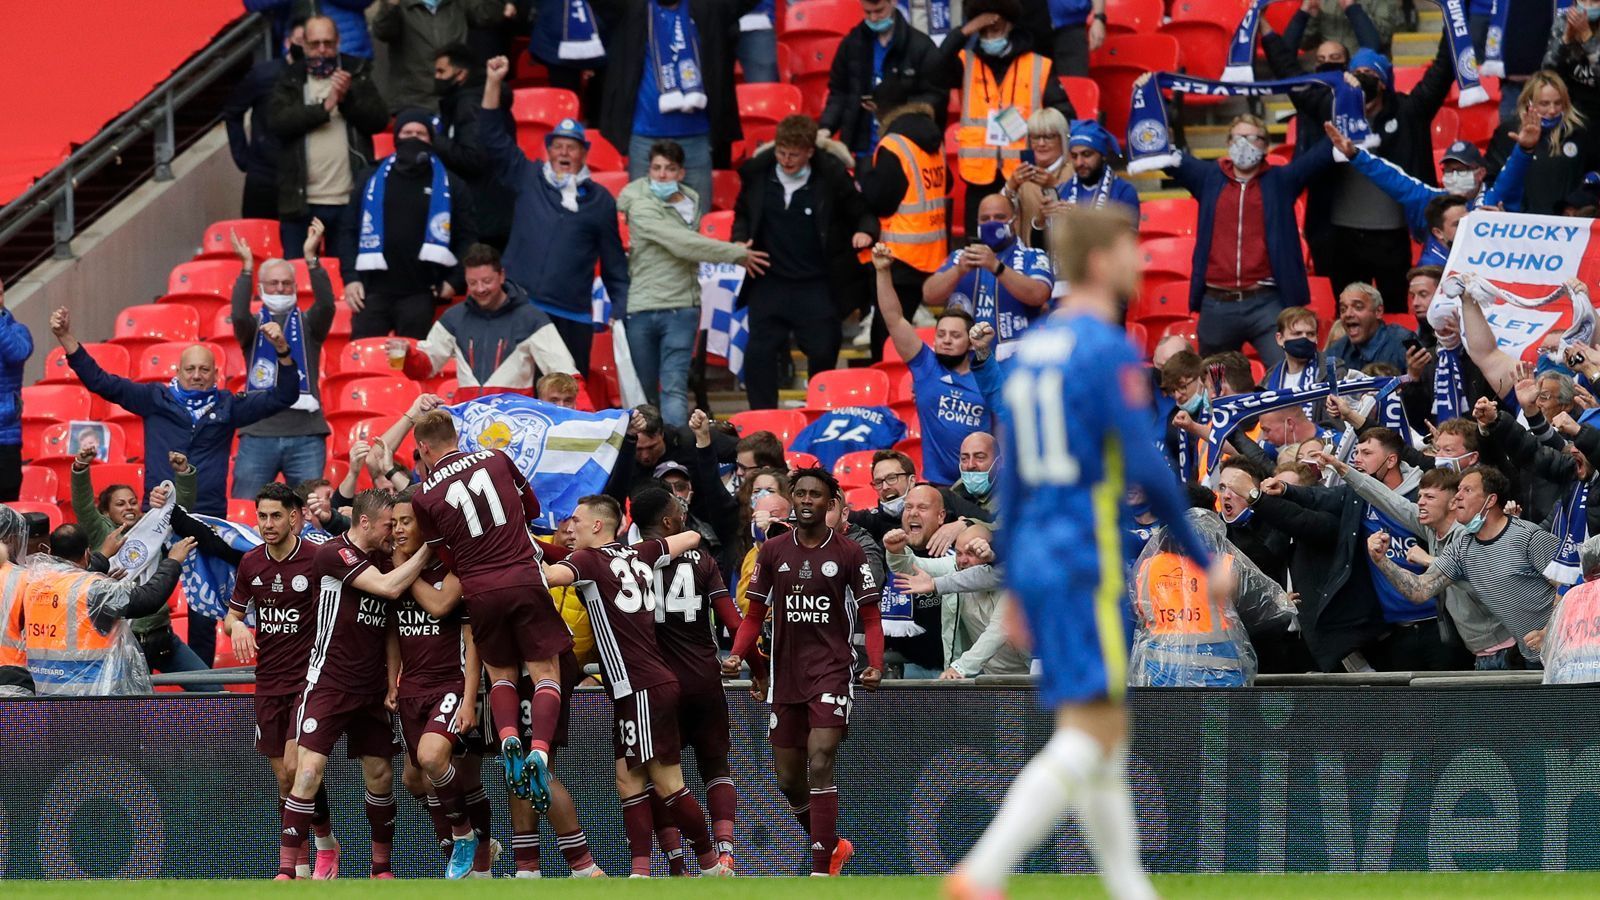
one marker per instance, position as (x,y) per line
(565,454)
(207,581)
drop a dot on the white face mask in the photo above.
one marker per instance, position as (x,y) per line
(1245,154)
(1462,183)
(278,304)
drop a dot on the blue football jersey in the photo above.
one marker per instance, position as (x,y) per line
(845,430)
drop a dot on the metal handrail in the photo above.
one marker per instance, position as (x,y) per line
(54,190)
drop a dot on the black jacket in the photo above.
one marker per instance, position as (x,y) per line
(839,210)
(878,523)
(405,205)
(255,151)
(459,147)
(883,180)
(290,117)
(1054,94)
(1339,609)
(912,59)
(1540,473)
(627,36)
(1552,175)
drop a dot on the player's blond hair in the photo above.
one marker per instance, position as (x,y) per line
(1080,231)
(436,429)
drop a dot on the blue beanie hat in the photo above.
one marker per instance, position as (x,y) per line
(1377,62)
(1091,134)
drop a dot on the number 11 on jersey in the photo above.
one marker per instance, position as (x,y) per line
(1039,424)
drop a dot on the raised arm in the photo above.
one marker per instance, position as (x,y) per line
(509,163)
(902,332)
(1416,588)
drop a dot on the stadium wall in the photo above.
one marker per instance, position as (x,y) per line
(1269,780)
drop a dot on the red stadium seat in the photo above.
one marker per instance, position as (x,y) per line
(854,469)
(50,510)
(1133,16)
(260,234)
(1184,329)
(611,181)
(382,146)
(159,362)
(1139,336)
(1121,60)
(536,112)
(1478,124)
(1225,13)
(1446,125)
(762,106)
(205,284)
(446,390)
(861,497)
(1406,78)
(56,441)
(1168,256)
(799,459)
(1202,52)
(1324,302)
(820,17)
(38,485)
(105,475)
(847,387)
(56,402)
(358,359)
(138,327)
(242,511)
(718,225)
(1160,304)
(1084,94)
(381,398)
(785,423)
(902,388)
(603,157)
(724,189)
(302,280)
(110,357)
(1174,217)
(911,447)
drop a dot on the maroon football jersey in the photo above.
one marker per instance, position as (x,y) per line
(431,651)
(351,652)
(475,509)
(686,589)
(808,589)
(618,586)
(285,597)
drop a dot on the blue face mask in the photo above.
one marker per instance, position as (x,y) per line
(1139,510)
(976,483)
(881,25)
(995,234)
(1242,519)
(1475,524)
(1194,404)
(757,495)
(994,46)
(663,190)
(1593,12)
(1550,122)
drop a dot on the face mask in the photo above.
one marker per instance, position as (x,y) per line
(995,234)
(976,483)
(296,53)
(1331,67)
(1194,404)
(278,304)
(1593,12)
(321,66)
(412,153)
(797,178)
(1462,183)
(443,86)
(1242,518)
(1452,463)
(1475,524)
(893,507)
(1550,122)
(1139,510)
(994,46)
(757,495)
(950,360)
(1300,348)
(1245,155)
(881,25)
(662,190)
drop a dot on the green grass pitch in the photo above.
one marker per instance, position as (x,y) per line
(1498,885)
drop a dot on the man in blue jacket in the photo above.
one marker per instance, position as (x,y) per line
(16,345)
(560,225)
(189,413)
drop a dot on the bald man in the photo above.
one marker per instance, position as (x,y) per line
(977,462)
(912,623)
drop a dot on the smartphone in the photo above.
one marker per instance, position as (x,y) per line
(1027,156)
(1411,344)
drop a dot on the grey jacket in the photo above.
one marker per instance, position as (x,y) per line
(970,620)
(1478,627)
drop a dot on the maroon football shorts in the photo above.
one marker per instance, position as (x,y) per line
(703,725)
(275,723)
(646,726)
(430,713)
(325,713)
(571,674)
(791,723)
(514,624)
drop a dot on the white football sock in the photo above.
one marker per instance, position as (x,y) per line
(1106,814)
(1037,801)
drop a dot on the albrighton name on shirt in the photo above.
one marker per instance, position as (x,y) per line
(455,466)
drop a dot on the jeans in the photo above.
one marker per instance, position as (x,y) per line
(300,458)
(1508,659)
(912,670)
(1228,324)
(758,54)
(338,238)
(661,342)
(696,162)
(178,657)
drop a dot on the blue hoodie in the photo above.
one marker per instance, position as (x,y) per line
(16,345)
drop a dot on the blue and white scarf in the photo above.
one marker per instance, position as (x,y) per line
(1100,192)
(1461,50)
(1242,51)
(1571,521)
(1227,412)
(1150,139)
(264,359)
(435,239)
(579,39)
(141,549)
(198,403)
(1494,60)
(675,53)
(1449,390)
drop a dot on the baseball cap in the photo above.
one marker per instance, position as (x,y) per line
(670,466)
(568,128)
(1464,152)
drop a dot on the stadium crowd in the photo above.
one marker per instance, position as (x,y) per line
(1421,501)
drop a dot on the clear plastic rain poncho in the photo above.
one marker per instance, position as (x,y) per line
(1182,639)
(1571,651)
(76,664)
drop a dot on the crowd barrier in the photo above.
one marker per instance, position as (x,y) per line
(1330,778)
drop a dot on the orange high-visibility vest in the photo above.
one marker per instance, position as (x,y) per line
(1179,604)
(13,647)
(64,646)
(1023,88)
(916,231)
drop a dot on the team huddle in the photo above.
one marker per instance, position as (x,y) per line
(434,609)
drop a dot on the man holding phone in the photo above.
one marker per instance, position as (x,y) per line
(998,281)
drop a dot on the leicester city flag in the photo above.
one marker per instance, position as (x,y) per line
(566,454)
(207,580)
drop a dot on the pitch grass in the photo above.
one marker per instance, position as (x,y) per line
(1396,886)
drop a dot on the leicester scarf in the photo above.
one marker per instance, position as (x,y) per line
(142,547)
(675,54)
(1455,31)
(1449,391)
(1243,48)
(1150,139)
(1570,519)
(1494,60)
(264,358)
(579,39)
(436,238)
